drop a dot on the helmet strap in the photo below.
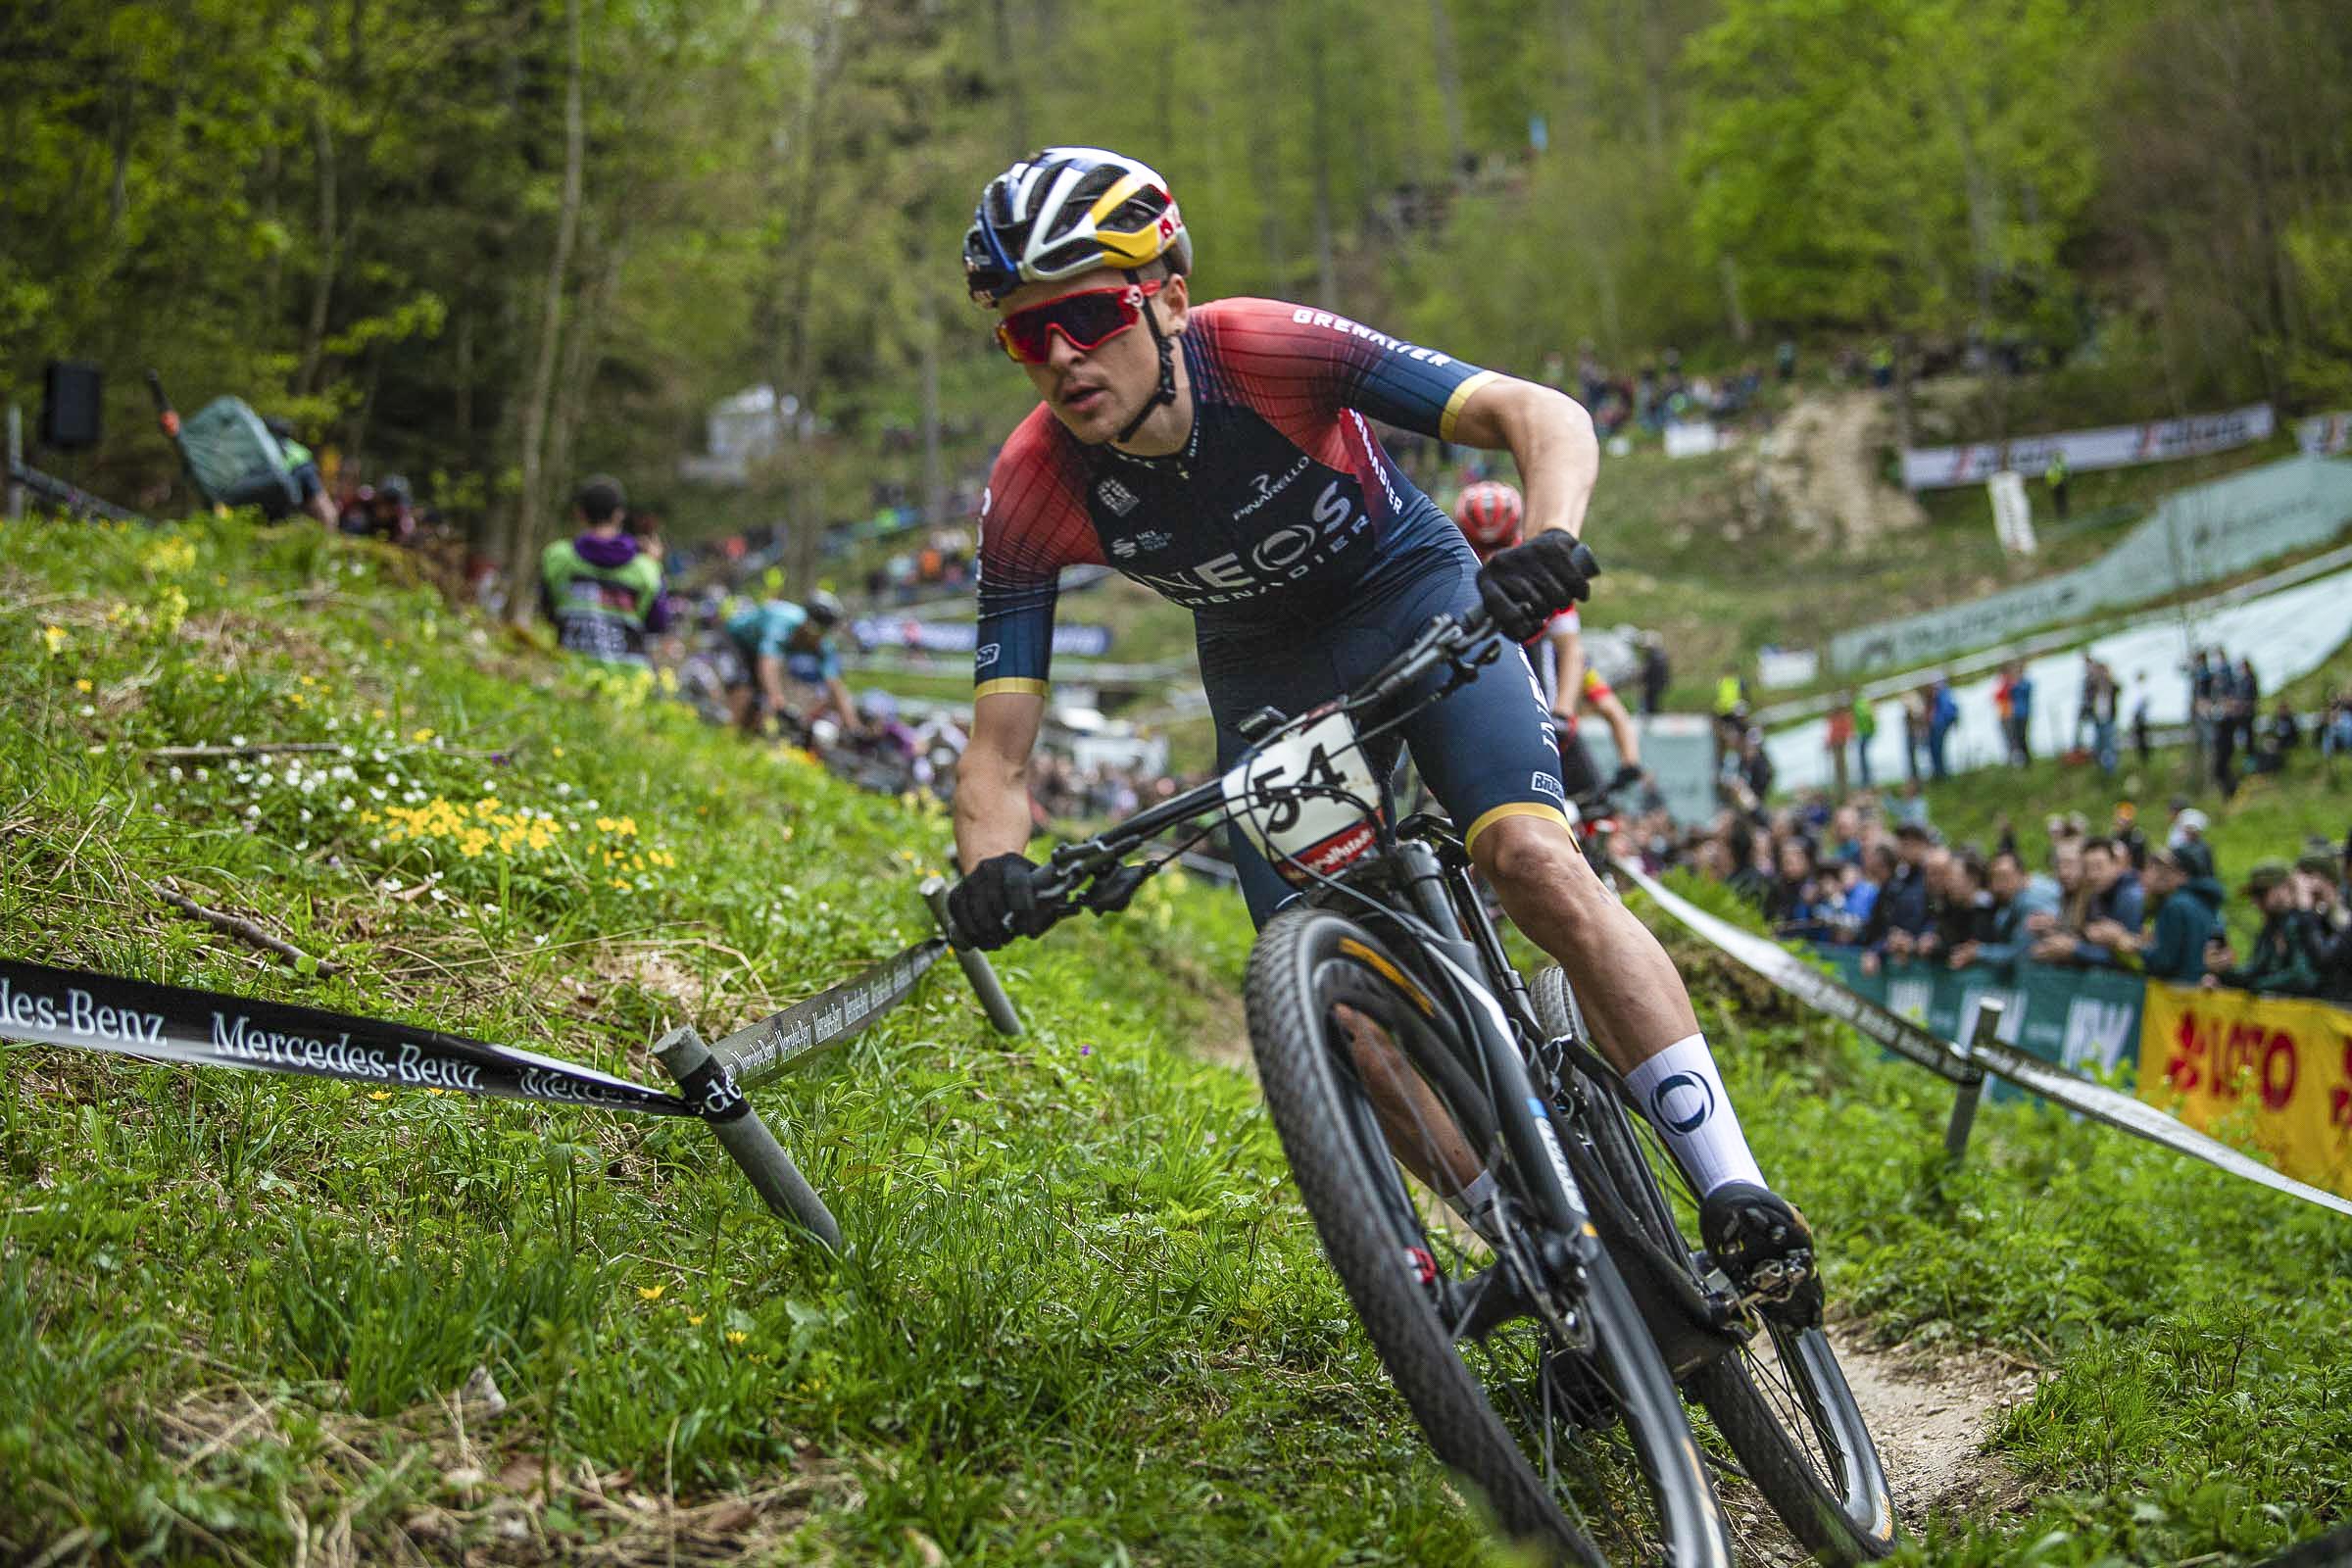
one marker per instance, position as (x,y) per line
(1167,366)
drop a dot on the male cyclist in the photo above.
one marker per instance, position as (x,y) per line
(778,638)
(1489,514)
(1222,457)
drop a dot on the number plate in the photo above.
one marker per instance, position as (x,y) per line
(1309,801)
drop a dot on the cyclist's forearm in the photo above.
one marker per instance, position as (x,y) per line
(992,806)
(1551,436)
(771,681)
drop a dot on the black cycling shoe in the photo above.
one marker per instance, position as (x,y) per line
(1759,1239)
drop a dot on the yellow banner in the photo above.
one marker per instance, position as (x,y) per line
(2272,1075)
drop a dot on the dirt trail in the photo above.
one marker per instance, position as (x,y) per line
(1931,1414)
(1821,467)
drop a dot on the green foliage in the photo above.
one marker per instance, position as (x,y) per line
(1892,166)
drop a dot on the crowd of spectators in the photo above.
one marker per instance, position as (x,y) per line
(1658,393)
(1874,874)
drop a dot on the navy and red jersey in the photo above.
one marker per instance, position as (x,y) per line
(1281,509)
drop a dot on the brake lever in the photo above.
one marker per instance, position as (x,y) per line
(1114,889)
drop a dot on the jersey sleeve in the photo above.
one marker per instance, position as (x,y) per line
(1032,523)
(777,623)
(1293,361)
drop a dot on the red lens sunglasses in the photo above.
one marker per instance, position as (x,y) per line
(1085,320)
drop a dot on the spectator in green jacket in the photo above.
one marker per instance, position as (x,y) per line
(2188,918)
(2285,962)
(600,588)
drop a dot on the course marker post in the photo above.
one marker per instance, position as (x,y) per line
(704,1078)
(1971,1087)
(976,967)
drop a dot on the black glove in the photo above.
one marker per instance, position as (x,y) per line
(1627,777)
(1526,585)
(996,902)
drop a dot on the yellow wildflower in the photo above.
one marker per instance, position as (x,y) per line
(379,1093)
(419,737)
(54,636)
(736,1335)
(648,1292)
(81,685)
(694,1320)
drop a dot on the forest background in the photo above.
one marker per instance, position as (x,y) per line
(496,243)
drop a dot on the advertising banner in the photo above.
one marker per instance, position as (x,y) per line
(2086,1021)
(2275,1074)
(1075,638)
(2200,534)
(2116,447)
(2325,434)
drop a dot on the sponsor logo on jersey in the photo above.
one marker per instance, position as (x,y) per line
(1284,555)
(1117,497)
(986,655)
(1271,485)
(1340,323)
(1545,784)
(1122,548)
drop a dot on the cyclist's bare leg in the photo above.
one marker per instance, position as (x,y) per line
(1420,1130)
(1625,983)
(1629,989)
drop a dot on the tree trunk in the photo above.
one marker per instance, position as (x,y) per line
(1449,90)
(522,547)
(1902,390)
(330,233)
(1327,283)
(1742,330)
(792,354)
(1017,91)
(935,468)
(581,355)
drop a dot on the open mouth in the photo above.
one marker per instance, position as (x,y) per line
(1085,399)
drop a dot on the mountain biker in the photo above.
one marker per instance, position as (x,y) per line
(600,588)
(1489,514)
(302,468)
(1221,455)
(778,638)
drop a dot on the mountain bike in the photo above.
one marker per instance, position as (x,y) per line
(1539,1339)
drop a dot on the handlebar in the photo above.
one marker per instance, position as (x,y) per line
(1088,873)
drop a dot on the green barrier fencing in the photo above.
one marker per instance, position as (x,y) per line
(2086,1021)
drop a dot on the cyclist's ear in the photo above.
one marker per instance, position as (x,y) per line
(1174,302)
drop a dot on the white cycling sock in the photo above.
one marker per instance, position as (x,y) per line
(1683,1096)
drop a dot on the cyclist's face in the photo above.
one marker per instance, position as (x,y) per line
(1093,392)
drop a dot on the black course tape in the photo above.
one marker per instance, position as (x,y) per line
(167,1023)
(758,1052)
(1905,1039)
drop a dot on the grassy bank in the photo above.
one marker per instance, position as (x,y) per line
(1085,1321)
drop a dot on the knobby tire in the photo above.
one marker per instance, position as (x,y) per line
(1296,973)
(1850,1522)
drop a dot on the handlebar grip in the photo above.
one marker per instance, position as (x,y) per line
(1581,558)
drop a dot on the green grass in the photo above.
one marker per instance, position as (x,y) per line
(1085,1321)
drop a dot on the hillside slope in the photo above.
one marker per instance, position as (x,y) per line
(251,1319)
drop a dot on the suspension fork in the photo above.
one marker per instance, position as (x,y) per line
(1520,1113)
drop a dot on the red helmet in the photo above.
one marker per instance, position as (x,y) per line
(1489,513)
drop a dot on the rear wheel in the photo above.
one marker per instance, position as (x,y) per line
(1782,1402)
(1560,1412)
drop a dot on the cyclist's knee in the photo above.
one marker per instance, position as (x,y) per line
(1536,857)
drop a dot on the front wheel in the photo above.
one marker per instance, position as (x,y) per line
(1566,1419)
(1782,1401)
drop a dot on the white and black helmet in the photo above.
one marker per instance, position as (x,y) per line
(1064,211)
